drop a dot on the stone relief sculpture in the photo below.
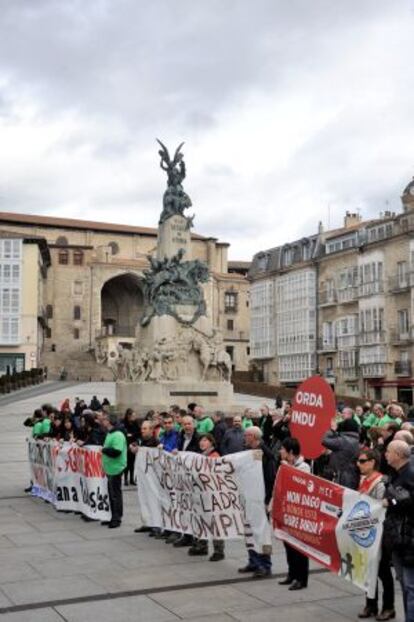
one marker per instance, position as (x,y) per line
(171,282)
(175,200)
(169,359)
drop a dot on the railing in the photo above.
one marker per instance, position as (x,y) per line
(371,288)
(371,337)
(349,373)
(113,330)
(401,337)
(402,368)
(347,295)
(400,283)
(327,298)
(374,370)
(327,345)
(230,308)
(347,341)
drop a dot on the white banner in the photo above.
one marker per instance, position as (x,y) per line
(70,477)
(210,498)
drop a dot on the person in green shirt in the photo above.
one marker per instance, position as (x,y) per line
(37,423)
(114,461)
(204,424)
(393,414)
(247,421)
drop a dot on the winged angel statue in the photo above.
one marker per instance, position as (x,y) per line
(175,200)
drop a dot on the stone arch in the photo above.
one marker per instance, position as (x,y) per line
(122,304)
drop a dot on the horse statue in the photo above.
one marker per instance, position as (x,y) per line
(213,356)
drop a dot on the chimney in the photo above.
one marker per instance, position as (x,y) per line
(320,227)
(351,219)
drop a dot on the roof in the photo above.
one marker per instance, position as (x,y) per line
(72,223)
(239,264)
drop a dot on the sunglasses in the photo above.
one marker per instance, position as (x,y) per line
(362,460)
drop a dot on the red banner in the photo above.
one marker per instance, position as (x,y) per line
(313,408)
(333,525)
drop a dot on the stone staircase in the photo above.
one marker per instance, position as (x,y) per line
(80,366)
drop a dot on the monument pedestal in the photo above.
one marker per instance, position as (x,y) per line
(159,396)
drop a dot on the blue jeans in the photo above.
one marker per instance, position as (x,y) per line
(260,561)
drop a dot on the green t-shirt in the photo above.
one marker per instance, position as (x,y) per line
(246,423)
(46,426)
(370,421)
(37,429)
(115,440)
(388,419)
(204,426)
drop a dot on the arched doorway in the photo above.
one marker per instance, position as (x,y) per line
(121,305)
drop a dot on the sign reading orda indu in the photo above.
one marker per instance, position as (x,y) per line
(209,498)
(312,411)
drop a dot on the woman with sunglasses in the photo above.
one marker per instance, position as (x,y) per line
(372,484)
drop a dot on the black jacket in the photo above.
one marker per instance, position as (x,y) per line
(399,520)
(342,461)
(193,444)
(219,431)
(269,471)
(266,426)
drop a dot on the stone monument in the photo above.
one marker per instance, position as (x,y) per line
(178,355)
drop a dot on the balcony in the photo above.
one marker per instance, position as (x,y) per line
(113,330)
(400,284)
(372,337)
(374,370)
(329,375)
(327,344)
(370,288)
(327,298)
(347,341)
(231,308)
(347,295)
(349,373)
(402,368)
(402,338)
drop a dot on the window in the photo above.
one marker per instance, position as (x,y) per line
(76,333)
(248,351)
(114,248)
(230,301)
(230,324)
(76,312)
(78,288)
(62,241)
(63,258)
(230,351)
(77,258)
(403,322)
(287,256)
(262,261)
(49,312)
(402,267)
(48,333)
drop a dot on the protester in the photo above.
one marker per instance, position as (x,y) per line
(343,442)
(387,433)
(260,564)
(220,428)
(147,440)
(204,423)
(189,438)
(298,564)
(131,431)
(95,404)
(266,423)
(399,520)
(233,440)
(114,461)
(247,419)
(200,547)
(372,484)
(169,437)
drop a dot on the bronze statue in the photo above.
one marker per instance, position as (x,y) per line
(175,200)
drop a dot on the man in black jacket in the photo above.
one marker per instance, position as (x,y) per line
(399,520)
(189,439)
(260,564)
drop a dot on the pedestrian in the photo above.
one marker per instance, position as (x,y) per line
(114,461)
(266,423)
(399,520)
(204,423)
(200,546)
(131,431)
(260,563)
(298,564)
(169,437)
(233,440)
(372,484)
(220,428)
(343,442)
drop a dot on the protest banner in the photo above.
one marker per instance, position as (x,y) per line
(80,483)
(210,498)
(42,458)
(336,526)
(70,477)
(313,408)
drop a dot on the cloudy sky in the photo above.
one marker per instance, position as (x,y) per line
(292,111)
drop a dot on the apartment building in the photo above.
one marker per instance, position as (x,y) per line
(356,311)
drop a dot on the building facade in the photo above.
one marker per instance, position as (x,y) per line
(91,293)
(345,310)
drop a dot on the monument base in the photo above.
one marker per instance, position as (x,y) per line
(161,395)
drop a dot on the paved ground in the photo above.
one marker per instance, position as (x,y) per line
(54,567)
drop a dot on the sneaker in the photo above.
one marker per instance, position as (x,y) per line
(113,524)
(367,613)
(183,541)
(246,569)
(386,614)
(195,550)
(142,529)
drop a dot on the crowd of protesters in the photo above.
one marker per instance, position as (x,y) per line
(369,448)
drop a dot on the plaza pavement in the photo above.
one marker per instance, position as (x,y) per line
(54,567)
